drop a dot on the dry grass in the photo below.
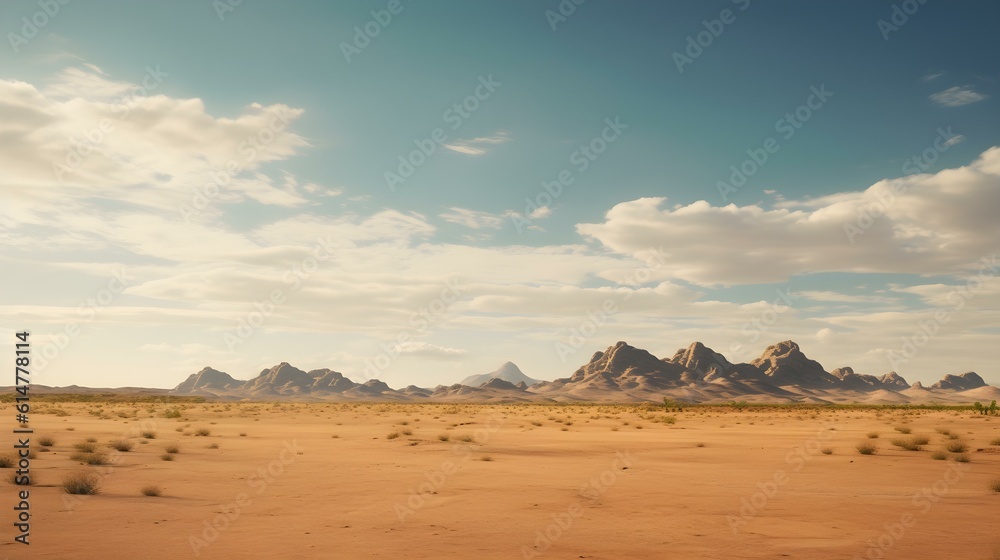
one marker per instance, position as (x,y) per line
(939,455)
(86,447)
(46,441)
(8,460)
(81,483)
(203,432)
(121,445)
(151,490)
(995,485)
(866,448)
(957,447)
(872,435)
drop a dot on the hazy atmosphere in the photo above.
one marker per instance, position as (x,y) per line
(422,191)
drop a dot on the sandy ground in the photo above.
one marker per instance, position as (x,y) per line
(293,481)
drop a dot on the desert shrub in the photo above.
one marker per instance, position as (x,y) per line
(172,449)
(149,434)
(121,445)
(392,435)
(872,435)
(81,483)
(486,458)
(902,429)
(963,458)
(46,441)
(921,440)
(906,444)
(213,446)
(827,451)
(995,485)
(957,447)
(8,460)
(995,441)
(167,457)
(85,447)
(444,437)
(939,455)
(150,490)
(172,413)
(203,432)
(867,448)
(407,432)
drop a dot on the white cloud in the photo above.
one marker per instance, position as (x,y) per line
(938,224)
(957,96)
(478,146)
(426,350)
(473,219)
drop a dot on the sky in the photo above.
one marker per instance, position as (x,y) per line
(420,191)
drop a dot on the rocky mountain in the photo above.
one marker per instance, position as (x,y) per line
(507,372)
(621,373)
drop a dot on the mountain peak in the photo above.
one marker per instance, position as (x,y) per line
(508,372)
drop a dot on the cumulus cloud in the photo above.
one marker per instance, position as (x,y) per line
(938,223)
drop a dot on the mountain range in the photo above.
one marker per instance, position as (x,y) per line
(622,373)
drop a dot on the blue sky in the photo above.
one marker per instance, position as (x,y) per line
(529,274)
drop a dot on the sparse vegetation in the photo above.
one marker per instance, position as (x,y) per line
(444,437)
(203,432)
(963,458)
(995,485)
(172,449)
(167,457)
(827,451)
(46,441)
(939,455)
(903,429)
(392,435)
(150,490)
(85,447)
(872,435)
(149,434)
(84,483)
(867,448)
(122,445)
(8,460)
(957,447)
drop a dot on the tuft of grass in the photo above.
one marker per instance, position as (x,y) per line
(392,435)
(535,423)
(921,440)
(149,434)
(81,483)
(995,441)
(213,446)
(95,459)
(243,434)
(700,444)
(995,485)
(85,447)
(465,438)
(963,458)
(8,460)
(151,490)
(444,437)
(827,451)
(121,445)
(943,431)
(906,444)
(167,457)
(939,455)
(872,435)
(957,447)
(903,429)
(486,458)
(46,441)
(867,448)
(172,413)
(172,449)
(407,432)
(203,432)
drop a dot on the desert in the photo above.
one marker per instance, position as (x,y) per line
(400,480)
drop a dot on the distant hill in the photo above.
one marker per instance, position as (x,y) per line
(507,372)
(621,373)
